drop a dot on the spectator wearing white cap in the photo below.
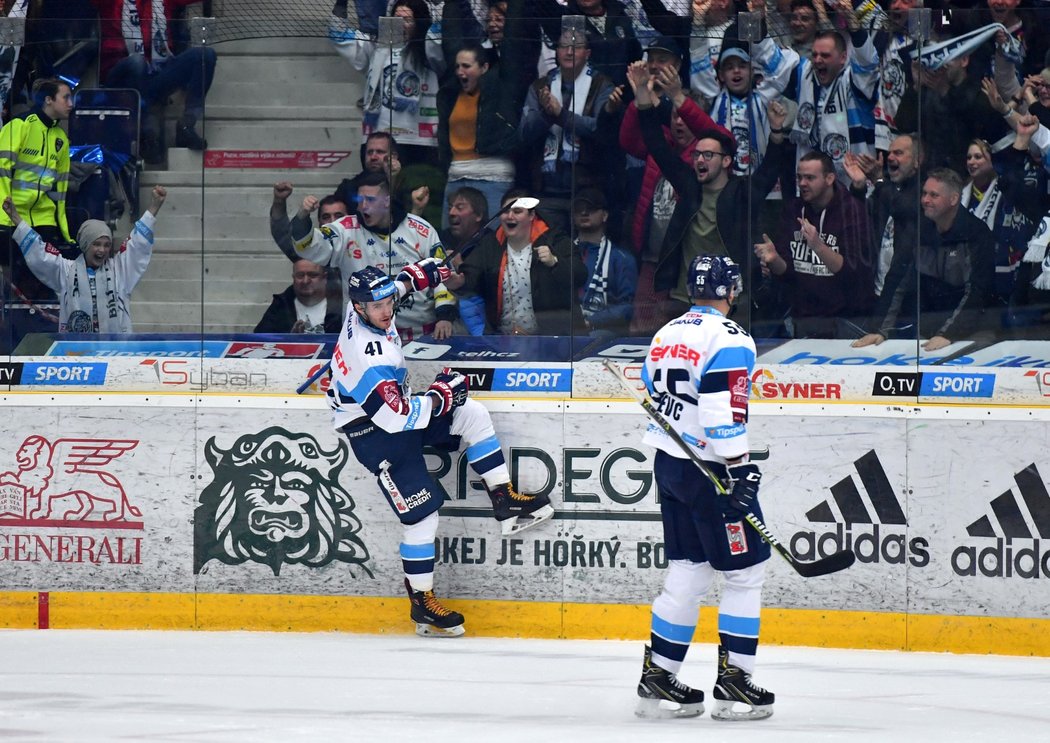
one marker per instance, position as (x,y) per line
(95,289)
(742,99)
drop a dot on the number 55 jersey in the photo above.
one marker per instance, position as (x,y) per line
(698,373)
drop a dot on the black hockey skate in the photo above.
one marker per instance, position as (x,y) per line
(518,511)
(431,618)
(734,687)
(661,695)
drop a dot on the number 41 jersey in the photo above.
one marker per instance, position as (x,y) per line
(368,379)
(698,373)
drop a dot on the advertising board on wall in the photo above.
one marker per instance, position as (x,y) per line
(256,501)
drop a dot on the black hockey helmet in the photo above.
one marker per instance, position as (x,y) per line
(370,285)
(715,277)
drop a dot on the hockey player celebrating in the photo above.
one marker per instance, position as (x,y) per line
(698,373)
(388,427)
(383,235)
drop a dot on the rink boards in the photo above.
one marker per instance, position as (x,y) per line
(218,510)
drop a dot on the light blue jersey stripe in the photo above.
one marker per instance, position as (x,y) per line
(739,626)
(681,633)
(143,230)
(647,380)
(728,359)
(372,378)
(482,449)
(417,551)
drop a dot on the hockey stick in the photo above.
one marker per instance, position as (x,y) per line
(524,202)
(824,566)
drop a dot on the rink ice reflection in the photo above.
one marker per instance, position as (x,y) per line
(202,687)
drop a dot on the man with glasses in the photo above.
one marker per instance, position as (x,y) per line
(305,306)
(803,23)
(559,126)
(717,212)
(383,235)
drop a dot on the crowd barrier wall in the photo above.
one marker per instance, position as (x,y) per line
(175,493)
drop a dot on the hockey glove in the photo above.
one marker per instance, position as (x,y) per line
(448,392)
(743,489)
(424,275)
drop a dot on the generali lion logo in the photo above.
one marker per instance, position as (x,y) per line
(67,481)
(276,499)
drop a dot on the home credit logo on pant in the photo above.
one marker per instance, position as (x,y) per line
(69,484)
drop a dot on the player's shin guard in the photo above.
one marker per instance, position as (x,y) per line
(431,617)
(661,695)
(736,697)
(518,511)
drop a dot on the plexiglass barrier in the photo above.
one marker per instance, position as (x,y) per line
(876,173)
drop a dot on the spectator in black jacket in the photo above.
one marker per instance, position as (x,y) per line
(560,128)
(948,277)
(716,212)
(893,203)
(304,307)
(527,275)
(610,30)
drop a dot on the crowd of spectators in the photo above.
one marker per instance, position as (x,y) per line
(879,170)
(53,276)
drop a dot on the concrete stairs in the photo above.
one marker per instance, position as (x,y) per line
(215,266)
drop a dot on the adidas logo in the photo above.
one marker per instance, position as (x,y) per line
(1027,518)
(861,523)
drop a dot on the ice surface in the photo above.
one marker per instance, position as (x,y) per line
(192,687)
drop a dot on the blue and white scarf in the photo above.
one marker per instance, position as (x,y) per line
(557,138)
(935,56)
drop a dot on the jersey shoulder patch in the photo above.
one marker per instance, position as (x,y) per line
(391,394)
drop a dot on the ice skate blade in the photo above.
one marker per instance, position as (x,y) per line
(724,711)
(665,709)
(521,523)
(429,630)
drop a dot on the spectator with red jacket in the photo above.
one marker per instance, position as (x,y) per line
(136,52)
(682,119)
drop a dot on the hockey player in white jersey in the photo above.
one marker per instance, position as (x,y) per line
(388,427)
(383,235)
(698,373)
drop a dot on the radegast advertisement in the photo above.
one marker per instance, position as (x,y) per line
(272,501)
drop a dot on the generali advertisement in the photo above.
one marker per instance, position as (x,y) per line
(245,500)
